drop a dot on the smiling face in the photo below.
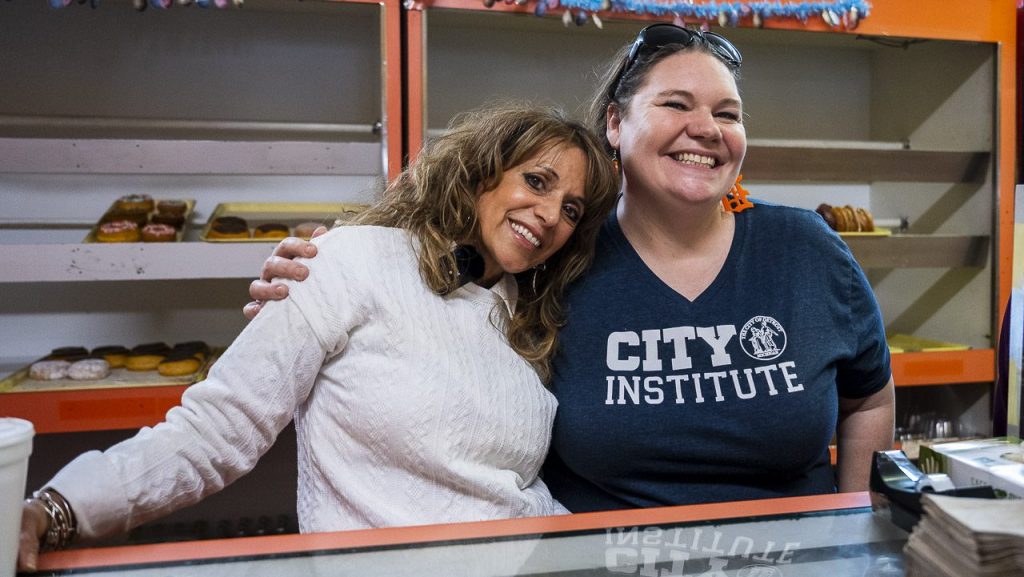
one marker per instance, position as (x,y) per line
(532,212)
(681,136)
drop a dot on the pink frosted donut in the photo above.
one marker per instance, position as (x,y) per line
(49,370)
(87,369)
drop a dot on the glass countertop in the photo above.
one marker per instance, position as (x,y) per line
(853,542)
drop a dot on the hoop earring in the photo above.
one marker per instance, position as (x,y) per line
(533,282)
(736,199)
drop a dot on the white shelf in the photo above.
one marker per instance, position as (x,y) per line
(131,261)
(189,157)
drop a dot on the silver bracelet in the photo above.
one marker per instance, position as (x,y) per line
(63,527)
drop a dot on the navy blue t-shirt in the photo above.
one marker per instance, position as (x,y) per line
(664,401)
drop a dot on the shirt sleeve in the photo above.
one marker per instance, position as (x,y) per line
(224,423)
(868,370)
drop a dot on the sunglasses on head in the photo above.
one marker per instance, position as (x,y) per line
(657,36)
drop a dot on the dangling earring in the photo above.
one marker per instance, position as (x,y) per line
(615,160)
(736,199)
(537,269)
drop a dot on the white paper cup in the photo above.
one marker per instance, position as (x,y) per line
(15,447)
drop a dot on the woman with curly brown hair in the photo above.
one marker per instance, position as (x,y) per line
(413,360)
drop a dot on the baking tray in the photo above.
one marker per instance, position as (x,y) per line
(19,382)
(876,232)
(190,205)
(900,343)
(287,213)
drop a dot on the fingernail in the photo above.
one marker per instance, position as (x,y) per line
(310,251)
(279,291)
(303,274)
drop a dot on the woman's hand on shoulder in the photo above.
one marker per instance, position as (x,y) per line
(34,524)
(280,265)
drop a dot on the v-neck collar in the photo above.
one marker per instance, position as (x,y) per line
(735,247)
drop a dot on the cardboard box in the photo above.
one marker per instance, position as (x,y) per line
(998,463)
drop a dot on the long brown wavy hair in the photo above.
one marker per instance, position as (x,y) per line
(435,199)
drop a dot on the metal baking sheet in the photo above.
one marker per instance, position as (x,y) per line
(289,214)
(190,204)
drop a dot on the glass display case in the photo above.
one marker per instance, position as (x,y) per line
(834,535)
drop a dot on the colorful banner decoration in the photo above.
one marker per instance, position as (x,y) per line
(838,14)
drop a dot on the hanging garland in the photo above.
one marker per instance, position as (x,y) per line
(141,5)
(838,14)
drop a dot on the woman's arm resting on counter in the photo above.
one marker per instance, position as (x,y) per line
(865,426)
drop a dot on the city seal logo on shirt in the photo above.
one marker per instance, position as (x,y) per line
(763,338)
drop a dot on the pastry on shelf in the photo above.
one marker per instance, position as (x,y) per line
(227,227)
(170,219)
(115,355)
(172,207)
(146,357)
(846,218)
(198,349)
(118,231)
(159,233)
(65,353)
(135,203)
(88,369)
(50,370)
(178,363)
(270,230)
(306,229)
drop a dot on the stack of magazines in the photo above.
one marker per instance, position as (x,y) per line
(960,536)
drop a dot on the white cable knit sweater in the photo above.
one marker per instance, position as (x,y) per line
(410,408)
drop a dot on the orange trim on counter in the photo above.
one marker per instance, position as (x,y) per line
(277,544)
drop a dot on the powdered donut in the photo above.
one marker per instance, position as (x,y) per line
(49,370)
(87,369)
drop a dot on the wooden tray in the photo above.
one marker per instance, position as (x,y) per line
(190,204)
(286,213)
(19,382)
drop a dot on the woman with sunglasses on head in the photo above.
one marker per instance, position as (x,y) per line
(716,345)
(413,360)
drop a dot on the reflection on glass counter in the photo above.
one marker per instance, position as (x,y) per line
(853,542)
